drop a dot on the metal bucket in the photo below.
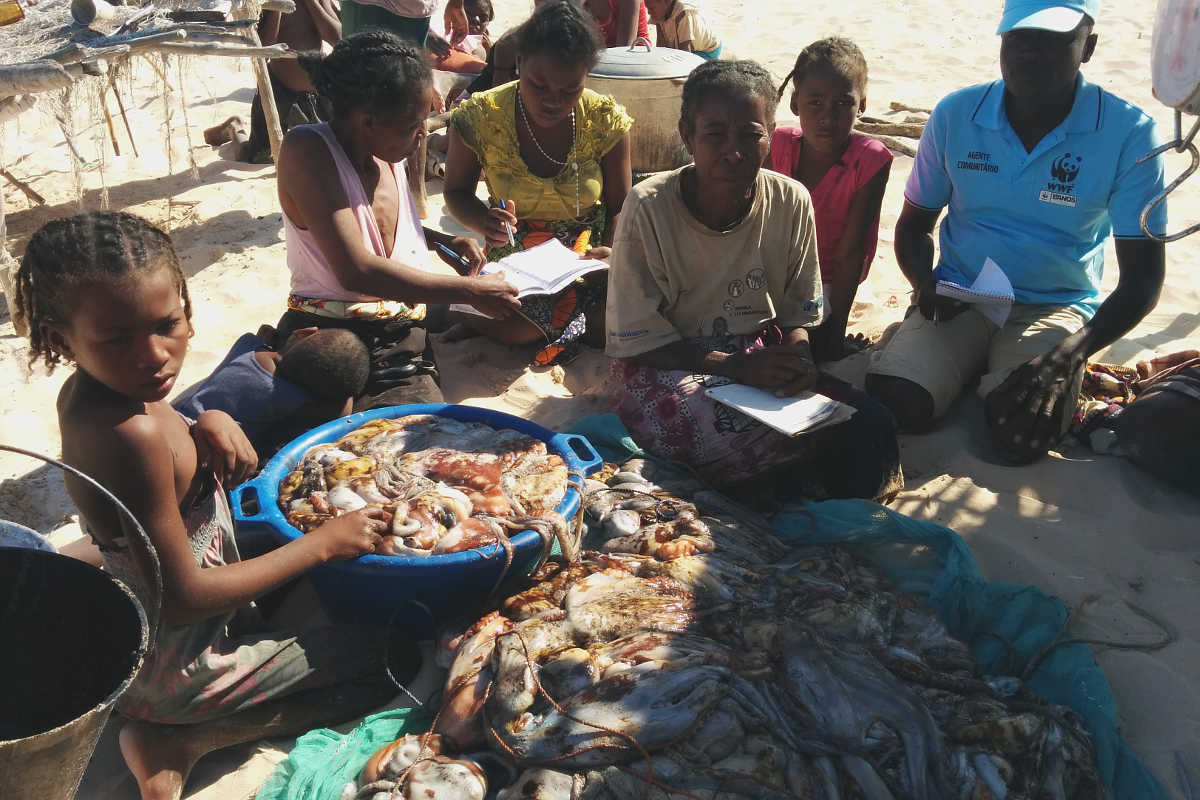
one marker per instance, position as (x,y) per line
(648,82)
(72,638)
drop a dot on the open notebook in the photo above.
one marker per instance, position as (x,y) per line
(545,269)
(803,413)
(991,292)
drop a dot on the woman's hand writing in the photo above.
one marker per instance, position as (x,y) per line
(599,253)
(350,535)
(498,222)
(469,250)
(222,446)
(493,295)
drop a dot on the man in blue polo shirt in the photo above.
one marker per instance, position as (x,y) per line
(1035,171)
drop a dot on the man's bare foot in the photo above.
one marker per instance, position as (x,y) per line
(160,758)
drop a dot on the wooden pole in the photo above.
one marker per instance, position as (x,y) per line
(8,269)
(32,77)
(262,76)
(112,131)
(897,146)
(112,83)
(258,53)
(25,188)
(13,107)
(414,168)
(266,96)
(911,130)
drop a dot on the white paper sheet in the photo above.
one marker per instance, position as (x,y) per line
(545,269)
(991,292)
(803,413)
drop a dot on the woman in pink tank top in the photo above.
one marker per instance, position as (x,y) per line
(356,249)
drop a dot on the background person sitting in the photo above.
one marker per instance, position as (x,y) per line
(312,23)
(557,156)
(680,26)
(846,174)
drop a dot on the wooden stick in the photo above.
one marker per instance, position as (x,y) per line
(414,167)
(112,131)
(266,96)
(73,54)
(259,54)
(895,106)
(222,37)
(895,145)
(8,269)
(155,67)
(282,6)
(13,107)
(262,76)
(112,83)
(79,69)
(25,188)
(32,77)
(173,33)
(62,126)
(910,130)
(211,27)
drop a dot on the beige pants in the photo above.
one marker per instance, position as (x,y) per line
(943,358)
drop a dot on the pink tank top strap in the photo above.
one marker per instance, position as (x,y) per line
(312,275)
(356,195)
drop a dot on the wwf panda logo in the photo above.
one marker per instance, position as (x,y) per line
(1065,168)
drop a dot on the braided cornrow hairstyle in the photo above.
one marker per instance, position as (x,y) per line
(93,247)
(562,30)
(727,78)
(835,54)
(373,71)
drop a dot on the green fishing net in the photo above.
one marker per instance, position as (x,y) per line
(324,761)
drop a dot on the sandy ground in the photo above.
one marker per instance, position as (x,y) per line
(1075,524)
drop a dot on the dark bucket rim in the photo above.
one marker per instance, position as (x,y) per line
(111,699)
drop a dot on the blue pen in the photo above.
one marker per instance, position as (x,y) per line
(447,251)
(511,242)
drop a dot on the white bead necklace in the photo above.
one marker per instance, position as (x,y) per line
(571,161)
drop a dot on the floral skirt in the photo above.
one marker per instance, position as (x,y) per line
(669,415)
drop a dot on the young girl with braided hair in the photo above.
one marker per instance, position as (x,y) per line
(845,172)
(104,292)
(356,249)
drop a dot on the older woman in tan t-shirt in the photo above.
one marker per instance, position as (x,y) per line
(714,280)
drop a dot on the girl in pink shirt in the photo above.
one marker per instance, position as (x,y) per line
(845,172)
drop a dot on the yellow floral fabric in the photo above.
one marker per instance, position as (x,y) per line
(487,124)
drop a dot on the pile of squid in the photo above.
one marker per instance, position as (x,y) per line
(445,486)
(691,654)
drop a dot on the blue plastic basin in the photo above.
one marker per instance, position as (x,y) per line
(376,588)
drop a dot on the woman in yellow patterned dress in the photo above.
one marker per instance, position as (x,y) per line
(556,160)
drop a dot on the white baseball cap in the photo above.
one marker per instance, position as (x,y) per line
(1060,16)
